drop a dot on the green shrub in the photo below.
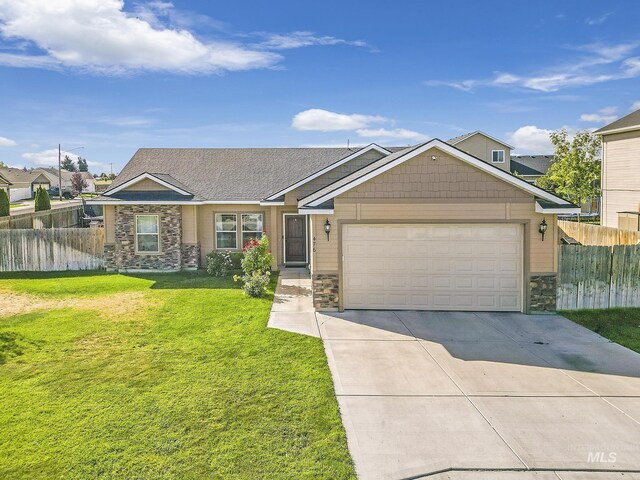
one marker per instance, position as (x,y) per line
(256,267)
(236,260)
(219,263)
(4,203)
(42,201)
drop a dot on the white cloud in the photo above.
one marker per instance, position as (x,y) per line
(531,139)
(317,119)
(49,158)
(597,63)
(598,20)
(604,115)
(279,41)
(99,36)
(7,142)
(635,106)
(396,134)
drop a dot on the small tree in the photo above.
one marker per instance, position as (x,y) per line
(82,165)
(78,183)
(575,171)
(42,200)
(68,164)
(4,203)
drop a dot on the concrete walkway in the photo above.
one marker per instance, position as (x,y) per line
(292,308)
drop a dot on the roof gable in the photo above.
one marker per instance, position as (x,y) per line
(163,180)
(391,161)
(625,124)
(466,136)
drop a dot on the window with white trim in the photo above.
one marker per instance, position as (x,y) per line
(226,231)
(147,234)
(497,156)
(252,226)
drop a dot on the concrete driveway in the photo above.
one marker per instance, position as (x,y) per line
(506,396)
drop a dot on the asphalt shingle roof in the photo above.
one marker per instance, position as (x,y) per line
(530,164)
(231,174)
(628,121)
(16,175)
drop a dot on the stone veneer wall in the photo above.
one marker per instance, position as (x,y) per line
(124,256)
(326,288)
(542,293)
(190,256)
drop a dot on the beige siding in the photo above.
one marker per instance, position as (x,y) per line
(109,213)
(620,176)
(322,181)
(189,224)
(446,177)
(206,225)
(146,185)
(480,146)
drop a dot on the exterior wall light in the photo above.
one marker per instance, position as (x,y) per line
(327,228)
(542,228)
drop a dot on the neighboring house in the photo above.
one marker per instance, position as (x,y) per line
(530,167)
(52,174)
(24,183)
(428,227)
(5,185)
(621,172)
(91,182)
(485,147)
(102,185)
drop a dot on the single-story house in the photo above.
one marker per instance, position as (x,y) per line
(620,178)
(102,185)
(24,183)
(427,227)
(52,174)
(530,167)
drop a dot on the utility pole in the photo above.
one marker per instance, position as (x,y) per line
(59,173)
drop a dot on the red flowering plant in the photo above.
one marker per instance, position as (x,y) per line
(256,266)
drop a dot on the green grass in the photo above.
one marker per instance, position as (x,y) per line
(159,376)
(620,325)
(16,205)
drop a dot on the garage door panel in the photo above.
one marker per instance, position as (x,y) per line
(433,267)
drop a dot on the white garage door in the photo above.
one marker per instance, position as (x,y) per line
(433,267)
(19,193)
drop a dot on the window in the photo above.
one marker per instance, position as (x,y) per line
(251,226)
(147,234)
(497,156)
(226,228)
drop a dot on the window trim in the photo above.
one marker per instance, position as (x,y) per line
(216,231)
(243,231)
(138,252)
(504,155)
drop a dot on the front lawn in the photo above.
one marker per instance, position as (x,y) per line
(159,376)
(620,325)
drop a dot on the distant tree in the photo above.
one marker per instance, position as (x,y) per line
(42,201)
(78,183)
(112,176)
(68,164)
(4,203)
(3,165)
(82,165)
(104,176)
(575,171)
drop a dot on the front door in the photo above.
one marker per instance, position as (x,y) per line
(295,239)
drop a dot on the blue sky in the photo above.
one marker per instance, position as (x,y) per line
(114,76)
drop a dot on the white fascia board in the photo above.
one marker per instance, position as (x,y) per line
(230,202)
(151,177)
(315,211)
(557,211)
(488,136)
(445,147)
(271,204)
(328,168)
(619,130)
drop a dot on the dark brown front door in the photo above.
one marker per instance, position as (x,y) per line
(295,241)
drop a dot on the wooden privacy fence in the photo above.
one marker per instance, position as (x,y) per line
(588,234)
(52,249)
(598,277)
(58,218)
